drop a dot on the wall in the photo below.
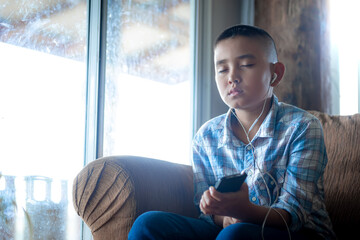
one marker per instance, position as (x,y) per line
(301,31)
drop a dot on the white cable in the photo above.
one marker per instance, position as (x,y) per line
(252,126)
(271,207)
(262,174)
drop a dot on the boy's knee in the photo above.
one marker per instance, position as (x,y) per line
(147,226)
(239,230)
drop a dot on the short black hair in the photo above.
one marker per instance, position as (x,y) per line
(251,32)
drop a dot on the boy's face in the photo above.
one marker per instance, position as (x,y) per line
(242,72)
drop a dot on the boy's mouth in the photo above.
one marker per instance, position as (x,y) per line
(235,92)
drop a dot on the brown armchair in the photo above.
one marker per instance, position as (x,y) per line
(109,193)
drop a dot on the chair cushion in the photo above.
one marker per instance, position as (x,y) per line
(342,174)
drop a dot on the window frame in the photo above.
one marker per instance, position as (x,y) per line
(96,42)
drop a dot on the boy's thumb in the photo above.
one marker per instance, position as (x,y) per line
(212,190)
(214,193)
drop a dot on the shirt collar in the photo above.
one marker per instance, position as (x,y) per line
(267,128)
(227,134)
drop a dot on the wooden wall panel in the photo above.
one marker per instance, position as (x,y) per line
(300,30)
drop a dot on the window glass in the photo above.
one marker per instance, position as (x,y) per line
(345,40)
(42,115)
(148,79)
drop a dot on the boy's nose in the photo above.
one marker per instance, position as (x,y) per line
(234,76)
(234,79)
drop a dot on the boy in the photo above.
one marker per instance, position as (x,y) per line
(280,147)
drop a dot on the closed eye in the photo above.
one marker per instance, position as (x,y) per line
(222,70)
(247,65)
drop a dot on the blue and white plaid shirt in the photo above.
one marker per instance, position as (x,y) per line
(289,146)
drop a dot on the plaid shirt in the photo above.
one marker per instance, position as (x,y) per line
(289,146)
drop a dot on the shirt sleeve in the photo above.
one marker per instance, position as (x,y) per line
(199,161)
(301,191)
(202,176)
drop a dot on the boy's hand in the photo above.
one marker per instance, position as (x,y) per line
(229,220)
(234,204)
(229,208)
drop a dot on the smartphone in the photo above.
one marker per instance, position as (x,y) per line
(231,183)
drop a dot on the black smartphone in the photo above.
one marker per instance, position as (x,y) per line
(231,183)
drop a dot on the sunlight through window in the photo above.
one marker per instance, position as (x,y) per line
(42,115)
(149,80)
(346,38)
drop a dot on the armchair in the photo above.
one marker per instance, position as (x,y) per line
(110,192)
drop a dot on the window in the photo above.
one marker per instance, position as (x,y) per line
(345,39)
(148,93)
(82,79)
(43,99)
(42,112)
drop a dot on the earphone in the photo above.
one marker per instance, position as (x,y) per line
(273,79)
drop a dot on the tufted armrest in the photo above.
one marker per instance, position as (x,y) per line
(109,193)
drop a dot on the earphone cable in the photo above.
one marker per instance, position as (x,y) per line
(261,173)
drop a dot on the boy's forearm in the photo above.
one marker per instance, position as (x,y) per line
(276,218)
(218,220)
(257,215)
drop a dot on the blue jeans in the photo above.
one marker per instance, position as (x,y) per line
(162,225)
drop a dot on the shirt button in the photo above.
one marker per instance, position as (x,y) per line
(253,199)
(248,148)
(272,182)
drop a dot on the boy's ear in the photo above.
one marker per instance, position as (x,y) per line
(279,70)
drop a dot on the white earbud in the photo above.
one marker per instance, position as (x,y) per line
(273,79)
